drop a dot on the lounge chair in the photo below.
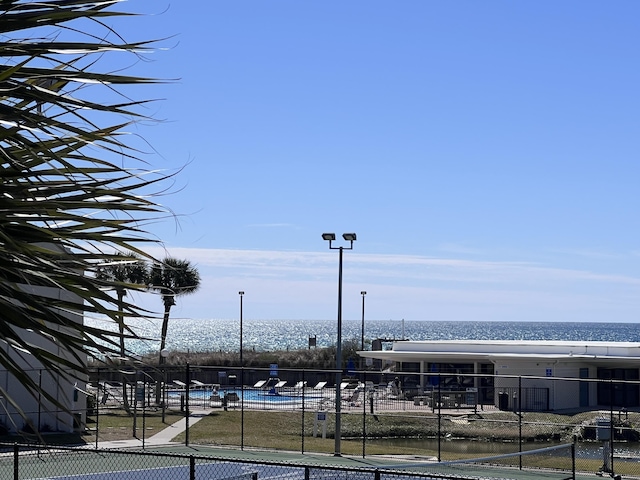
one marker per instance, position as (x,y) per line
(353,400)
(232,397)
(260,384)
(215,400)
(300,385)
(320,385)
(280,384)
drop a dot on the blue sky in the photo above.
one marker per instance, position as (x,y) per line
(485,153)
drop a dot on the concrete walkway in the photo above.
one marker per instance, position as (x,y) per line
(164,437)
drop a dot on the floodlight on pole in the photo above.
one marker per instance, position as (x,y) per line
(363,293)
(241,295)
(330,237)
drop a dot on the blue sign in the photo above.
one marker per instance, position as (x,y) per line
(549,372)
(433,380)
(351,366)
(273,369)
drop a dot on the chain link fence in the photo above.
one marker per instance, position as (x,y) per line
(27,462)
(394,413)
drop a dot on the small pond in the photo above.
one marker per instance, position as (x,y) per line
(626,451)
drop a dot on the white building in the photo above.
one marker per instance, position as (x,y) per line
(559,374)
(42,413)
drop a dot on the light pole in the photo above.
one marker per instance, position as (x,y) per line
(330,237)
(363,293)
(241,380)
(241,295)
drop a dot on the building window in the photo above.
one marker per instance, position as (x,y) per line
(618,394)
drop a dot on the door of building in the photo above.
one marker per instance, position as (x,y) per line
(584,388)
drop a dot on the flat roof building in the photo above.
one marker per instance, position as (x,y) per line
(495,366)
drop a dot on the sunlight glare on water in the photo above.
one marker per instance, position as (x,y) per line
(204,335)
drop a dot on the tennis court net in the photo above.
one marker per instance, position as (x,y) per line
(554,463)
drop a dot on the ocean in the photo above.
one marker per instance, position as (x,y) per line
(202,335)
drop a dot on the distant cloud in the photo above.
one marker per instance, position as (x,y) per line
(372,266)
(295,284)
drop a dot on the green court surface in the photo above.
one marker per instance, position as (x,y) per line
(173,463)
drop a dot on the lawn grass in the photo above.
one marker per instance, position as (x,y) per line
(117,424)
(293,431)
(283,431)
(113,424)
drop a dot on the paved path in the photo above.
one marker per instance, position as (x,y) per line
(164,437)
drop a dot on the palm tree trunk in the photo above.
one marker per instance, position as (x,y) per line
(163,334)
(163,342)
(123,378)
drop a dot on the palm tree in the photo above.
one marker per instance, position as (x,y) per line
(128,271)
(71,188)
(172,278)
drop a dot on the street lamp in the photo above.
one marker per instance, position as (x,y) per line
(363,293)
(241,380)
(330,237)
(241,294)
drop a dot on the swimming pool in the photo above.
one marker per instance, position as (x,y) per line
(250,395)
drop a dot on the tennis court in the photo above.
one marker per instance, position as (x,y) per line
(551,463)
(209,471)
(213,470)
(232,471)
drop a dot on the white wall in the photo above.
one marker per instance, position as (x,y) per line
(563,394)
(41,412)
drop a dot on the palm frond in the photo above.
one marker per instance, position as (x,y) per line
(71,192)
